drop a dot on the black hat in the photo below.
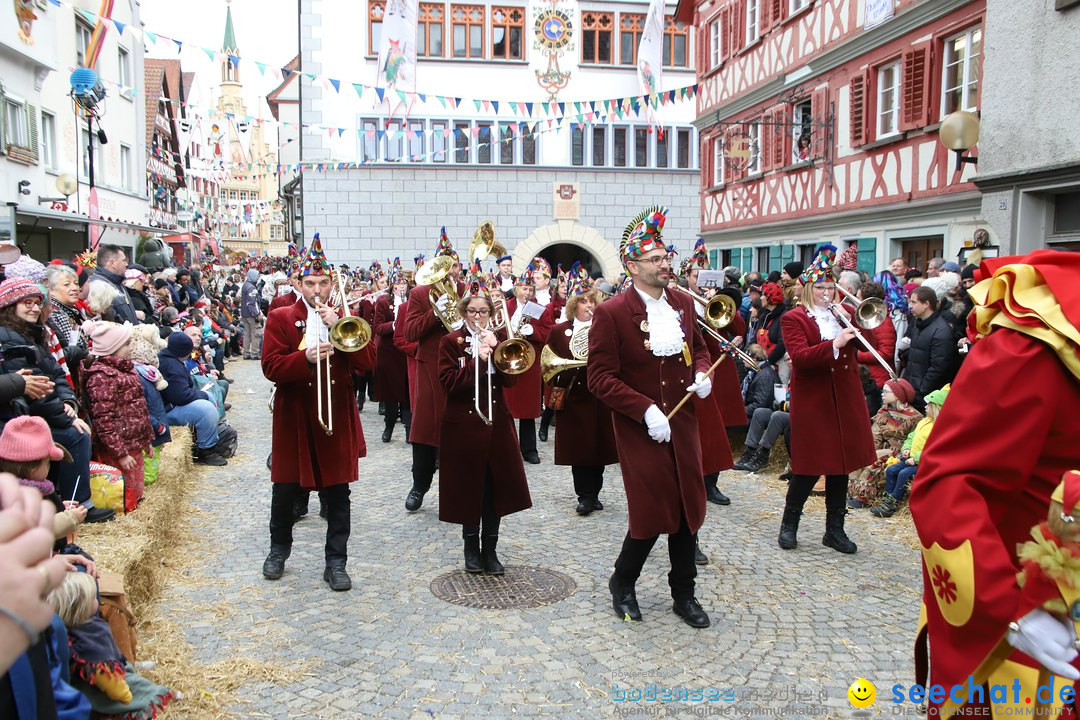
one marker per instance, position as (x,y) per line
(794,269)
(967,272)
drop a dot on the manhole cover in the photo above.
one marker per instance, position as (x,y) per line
(520,587)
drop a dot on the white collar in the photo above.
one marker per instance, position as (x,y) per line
(649,299)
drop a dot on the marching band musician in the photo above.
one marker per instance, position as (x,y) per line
(830,425)
(481,477)
(391,377)
(506,278)
(540,272)
(584,438)
(422,326)
(523,398)
(645,353)
(305,457)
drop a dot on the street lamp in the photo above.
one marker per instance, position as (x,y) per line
(88,94)
(959,132)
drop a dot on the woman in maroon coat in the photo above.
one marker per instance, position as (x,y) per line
(481,478)
(830,426)
(523,397)
(584,437)
(392,375)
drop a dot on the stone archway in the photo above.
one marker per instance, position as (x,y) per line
(571,233)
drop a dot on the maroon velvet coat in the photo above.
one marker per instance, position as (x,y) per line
(583,434)
(409,351)
(524,396)
(727,388)
(284,300)
(663,480)
(423,328)
(392,375)
(303,452)
(471,448)
(830,425)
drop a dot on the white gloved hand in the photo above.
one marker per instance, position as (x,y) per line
(458,324)
(526,330)
(903,344)
(1048,640)
(657,422)
(702,385)
(441,302)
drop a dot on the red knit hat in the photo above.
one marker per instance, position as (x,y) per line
(902,389)
(774,294)
(13,290)
(27,438)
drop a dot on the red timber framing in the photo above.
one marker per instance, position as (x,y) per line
(874,98)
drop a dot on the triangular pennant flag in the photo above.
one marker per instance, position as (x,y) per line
(152,37)
(286,72)
(235,60)
(359,89)
(547,108)
(441,100)
(119,26)
(457,101)
(562,108)
(402,97)
(529,108)
(179,46)
(478,104)
(422,96)
(577,108)
(495,104)
(379,134)
(261,66)
(340,131)
(311,76)
(336,84)
(487,105)
(380,92)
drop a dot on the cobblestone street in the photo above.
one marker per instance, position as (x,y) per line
(804,623)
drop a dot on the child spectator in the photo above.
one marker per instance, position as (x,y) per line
(185,403)
(117,407)
(145,346)
(98,668)
(890,426)
(900,473)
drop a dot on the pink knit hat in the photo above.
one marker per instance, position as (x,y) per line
(106,337)
(13,290)
(27,438)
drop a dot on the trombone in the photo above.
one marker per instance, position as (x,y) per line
(476,338)
(719,312)
(348,334)
(514,355)
(869,314)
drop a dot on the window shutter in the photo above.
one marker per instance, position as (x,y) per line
(725,33)
(714,259)
(747,259)
(916,88)
(860,91)
(787,254)
(867,261)
(706,156)
(774,260)
(32,131)
(820,110)
(738,25)
(780,136)
(3,123)
(778,10)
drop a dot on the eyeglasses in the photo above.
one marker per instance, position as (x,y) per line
(655,261)
(477,313)
(825,288)
(31,303)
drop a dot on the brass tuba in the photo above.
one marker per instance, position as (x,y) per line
(436,274)
(484,243)
(552,364)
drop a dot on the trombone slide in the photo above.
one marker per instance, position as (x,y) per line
(728,345)
(476,381)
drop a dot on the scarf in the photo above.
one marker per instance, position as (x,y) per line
(93,650)
(67,321)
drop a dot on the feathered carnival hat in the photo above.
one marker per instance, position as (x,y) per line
(86,260)
(643,233)
(478,286)
(821,268)
(849,259)
(526,278)
(577,280)
(314,260)
(419,261)
(698,259)
(540,265)
(444,247)
(375,270)
(394,273)
(294,253)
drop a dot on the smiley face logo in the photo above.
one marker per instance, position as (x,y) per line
(862,693)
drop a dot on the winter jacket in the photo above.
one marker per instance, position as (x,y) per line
(149,376)
(916,439)
(182,389)
(18,352)
(773,342)
(249,296)
(759,389)
(122,306)
(117,406)
(140,301)
(891,426)
(931,359)
(884,341)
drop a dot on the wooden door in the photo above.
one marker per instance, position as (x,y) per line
(918,251)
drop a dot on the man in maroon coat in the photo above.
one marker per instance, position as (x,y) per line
(645,354)
(305,456)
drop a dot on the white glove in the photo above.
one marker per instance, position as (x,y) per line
(1048,640)
(526,330)
(903,344)
(441,303)
(458,325)
(702,385)
(657,422)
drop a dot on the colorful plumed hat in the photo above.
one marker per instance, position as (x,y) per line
(294,253)
(821,268)
(526,278)
(698,259)
(643,233)
(394,273)
(478,284)
(86,260)
(849,259)
(314,260)
(577,280)
(375,270)
(444,247)
(419,261)
(541,266)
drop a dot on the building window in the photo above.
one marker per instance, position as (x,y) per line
(507,29)
(376,10)
(797,5)
(676,40)
(961,72)
(528,147)
(484,139)
(415,141)
(577,145)
(663,142)
(232,195)
(641,147)
(596,37)
(123,59)
(506,145)
(753,24)
(125,167)
(461,142)
(438,141)
(753,142)
(682,147)
(83,32)
(714,44)
(618,136)
(801,131)
(718,160)
(430,29)
(599,145)
(888,100)
(243,196)
(16,130)
(48,139)
(394,141)
(467,22)
(370,140)
(630,27)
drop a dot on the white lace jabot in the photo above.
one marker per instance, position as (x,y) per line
(665,331)
(828,325)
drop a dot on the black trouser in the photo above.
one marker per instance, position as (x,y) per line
(527,435)
(680,552)
(360,382)
(424,458)
(488,518)
(391,414)
(338,518)
(588,481)
(800,486)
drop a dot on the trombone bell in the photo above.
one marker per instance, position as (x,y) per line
(551,364)
(514,356)
(350,334)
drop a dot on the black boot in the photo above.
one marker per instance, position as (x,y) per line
(758,460)
(835,510)
(414,500)
(388,431)
(798,490)
(623,599)
(336,577)
(274,565)
(789,529)
(713,493)
(700,558)
(545,423)
(473,561)
(492,566)
(748,452)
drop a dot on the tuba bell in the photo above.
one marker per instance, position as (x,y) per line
(484,243)
(551,364)
(436,274)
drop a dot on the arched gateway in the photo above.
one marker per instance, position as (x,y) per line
(564,242)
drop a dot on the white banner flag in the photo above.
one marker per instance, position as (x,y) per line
(650,60)
(397,49)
